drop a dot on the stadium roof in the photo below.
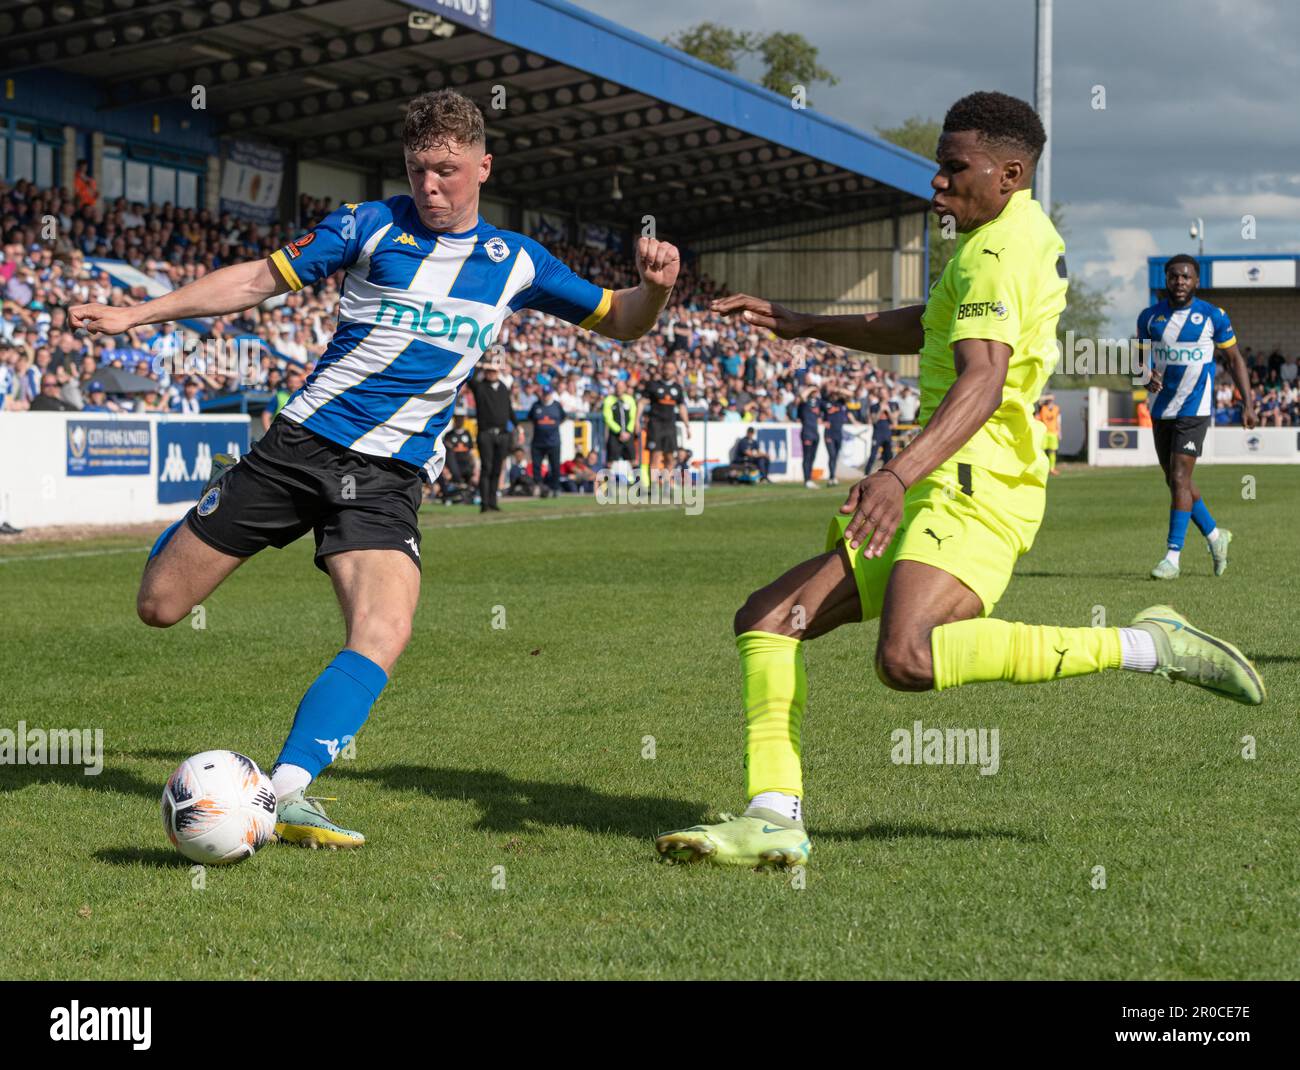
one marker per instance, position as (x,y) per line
(596,119)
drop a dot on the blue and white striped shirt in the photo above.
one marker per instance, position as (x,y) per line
(1183,341)
(417,311)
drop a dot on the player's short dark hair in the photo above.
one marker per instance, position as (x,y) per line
(1003,122)
(435,119)
(1183,258)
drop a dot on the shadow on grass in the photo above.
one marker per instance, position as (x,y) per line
(153,857)
(508,804)
(912,829)
(1274,659)
(17,777)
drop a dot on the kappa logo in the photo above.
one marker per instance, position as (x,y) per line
(405,239)
(1189,445)
(497,250)
(210,501)
(351,206)
(331,745)
(414,548)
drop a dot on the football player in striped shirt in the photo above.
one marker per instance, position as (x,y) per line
(427,286)
(1182,334)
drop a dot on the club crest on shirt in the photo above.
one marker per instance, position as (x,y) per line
(210,502)
(1198,317)
(497,250)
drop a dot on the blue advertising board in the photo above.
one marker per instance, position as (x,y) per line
(108,447)
(185,451)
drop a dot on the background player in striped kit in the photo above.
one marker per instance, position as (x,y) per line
(1182,333)
(427,285)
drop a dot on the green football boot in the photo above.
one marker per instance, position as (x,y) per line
(301,820)
(1219,551)
(1195,658)
(1166,570)
(758,837)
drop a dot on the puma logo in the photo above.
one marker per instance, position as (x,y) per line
(936,538)
(1061,660)
(998,255)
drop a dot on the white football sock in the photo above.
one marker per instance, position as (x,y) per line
(1173,555)
(1211,535)
(286,779)
(1138,647)
(788,806)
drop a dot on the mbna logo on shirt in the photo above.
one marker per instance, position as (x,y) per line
(434,323)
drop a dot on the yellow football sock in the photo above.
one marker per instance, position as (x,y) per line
(971,651)
(1051,458)
(774,687)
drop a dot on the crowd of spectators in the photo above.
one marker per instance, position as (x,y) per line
(1275,385)
(730,370)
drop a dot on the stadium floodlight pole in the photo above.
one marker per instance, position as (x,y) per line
(1198,231)
(1043,98)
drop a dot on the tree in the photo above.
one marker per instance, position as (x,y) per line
(789,59)
(719,45)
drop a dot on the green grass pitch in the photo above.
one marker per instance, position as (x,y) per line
(509,806)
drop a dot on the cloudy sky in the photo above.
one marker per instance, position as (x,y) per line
(1201,117)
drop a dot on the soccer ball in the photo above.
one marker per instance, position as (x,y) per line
(218,808)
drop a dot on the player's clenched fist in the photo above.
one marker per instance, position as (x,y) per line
(784,322)
(657,261)
(101,319)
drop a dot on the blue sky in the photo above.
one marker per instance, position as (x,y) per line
(1202,114)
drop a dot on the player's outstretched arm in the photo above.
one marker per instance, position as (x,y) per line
(632,312)
(877,501)
(229,289)
(897,330)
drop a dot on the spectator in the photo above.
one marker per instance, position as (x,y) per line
(49,399)
(546,417)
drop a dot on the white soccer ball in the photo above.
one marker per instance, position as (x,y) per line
(218,808)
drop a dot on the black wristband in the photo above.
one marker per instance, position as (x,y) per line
(896,476)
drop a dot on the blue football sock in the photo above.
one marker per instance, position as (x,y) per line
(165,538)
(332,711)
(1178,519)
(1201,517)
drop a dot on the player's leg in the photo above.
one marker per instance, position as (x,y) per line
(974,538)
(808,601)
(369,543)
(809,457)
(1217,539)
(180,575)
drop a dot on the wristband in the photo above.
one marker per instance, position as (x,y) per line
(896,476)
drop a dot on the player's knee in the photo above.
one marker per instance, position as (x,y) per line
(758,615)
(904,666)
(384,634)
(156,611)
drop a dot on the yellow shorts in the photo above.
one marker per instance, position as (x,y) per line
(971,523)
(1051,442)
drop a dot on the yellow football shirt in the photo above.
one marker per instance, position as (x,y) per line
(1005,282)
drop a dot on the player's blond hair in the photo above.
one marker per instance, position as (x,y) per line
(433,120)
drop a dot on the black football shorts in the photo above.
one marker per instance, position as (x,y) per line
(293,481)
(1180,436)
(661,437)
